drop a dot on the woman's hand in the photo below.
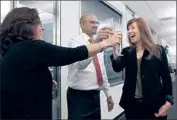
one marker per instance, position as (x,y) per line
(163,110)
(115,52)
(119,36)
(54,84)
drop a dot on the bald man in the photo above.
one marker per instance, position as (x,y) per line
(86,78)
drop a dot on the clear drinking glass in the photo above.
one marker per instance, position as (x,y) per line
(117,27)
(109,23)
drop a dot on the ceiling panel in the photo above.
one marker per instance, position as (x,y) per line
(141,9)
(160,15)
(163,8)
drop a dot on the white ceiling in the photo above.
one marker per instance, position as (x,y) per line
(161,16)
(152,11)
(46,10)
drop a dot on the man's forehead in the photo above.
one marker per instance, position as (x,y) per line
(90,17)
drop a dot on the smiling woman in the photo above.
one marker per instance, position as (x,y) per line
(147,92)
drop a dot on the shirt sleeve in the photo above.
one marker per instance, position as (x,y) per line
(80,64)
(52,55)
(106,85)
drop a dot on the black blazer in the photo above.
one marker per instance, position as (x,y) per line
(155,75)
(26,82)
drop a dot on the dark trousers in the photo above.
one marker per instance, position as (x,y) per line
(139,111)
(83,104)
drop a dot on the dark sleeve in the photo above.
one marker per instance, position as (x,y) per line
(165,73)
(118,64)
(53,55)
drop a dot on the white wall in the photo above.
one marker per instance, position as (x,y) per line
(70,14)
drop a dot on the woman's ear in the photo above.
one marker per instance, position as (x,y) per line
(37,31)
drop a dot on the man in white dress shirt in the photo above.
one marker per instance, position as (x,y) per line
(86,78)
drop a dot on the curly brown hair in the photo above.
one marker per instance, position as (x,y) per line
(18,25)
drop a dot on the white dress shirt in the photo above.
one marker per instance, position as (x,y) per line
(82,74)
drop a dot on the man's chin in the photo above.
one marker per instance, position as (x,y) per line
(94,32)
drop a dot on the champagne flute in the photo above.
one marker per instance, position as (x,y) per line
(109,23)
(119,28)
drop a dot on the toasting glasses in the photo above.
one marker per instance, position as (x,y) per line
(116,27)
(119,28)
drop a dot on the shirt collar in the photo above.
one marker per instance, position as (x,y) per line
(86,37)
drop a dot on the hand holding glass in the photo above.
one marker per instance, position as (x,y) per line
(118,30)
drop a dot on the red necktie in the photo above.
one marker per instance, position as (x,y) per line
(97,69)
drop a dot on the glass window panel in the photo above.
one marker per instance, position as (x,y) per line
(129,14)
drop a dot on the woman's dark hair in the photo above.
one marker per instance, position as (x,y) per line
(18,25)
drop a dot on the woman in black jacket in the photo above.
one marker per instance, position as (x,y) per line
(147,90)
(26,82)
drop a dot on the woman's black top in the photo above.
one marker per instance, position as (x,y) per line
(26,82)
